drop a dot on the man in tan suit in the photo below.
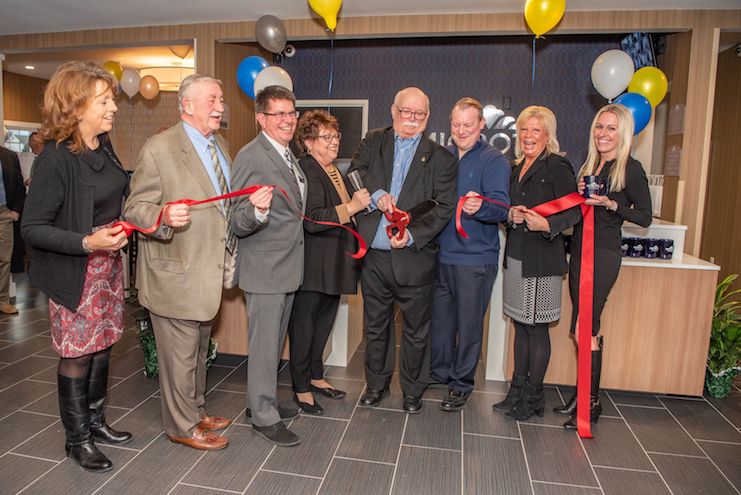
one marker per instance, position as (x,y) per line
(184,265)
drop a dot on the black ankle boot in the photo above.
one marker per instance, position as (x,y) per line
(97,388)
(532,402)
(514,394)
(595,408)
(73,410)
(568,408)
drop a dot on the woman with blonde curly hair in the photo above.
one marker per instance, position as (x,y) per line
(77,191)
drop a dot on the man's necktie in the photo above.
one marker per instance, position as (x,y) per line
(231,240)
(299,179)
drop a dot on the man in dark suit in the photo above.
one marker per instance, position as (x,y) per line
(402,168)
(12,197)
(271,254)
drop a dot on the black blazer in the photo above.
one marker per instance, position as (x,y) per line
(59,214)
(548,178)
(15,192)
(327,267)
(432,175)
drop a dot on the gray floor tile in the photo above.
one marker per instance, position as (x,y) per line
(68,477)
(614,445)
(184,489)
(144,423)
(156,469)
(625,398)
(621,482)
(540,488)
(434,427)
(730,407)
(17,471)
(20,370)
(348,476)
(19,427)
(233,467)
(480,418)
(319,440)
(49,404)
(229,360)
(556,455)
(657,431)
(236,381)
(25,348)
(21,331)
(25,392)
(435,392)
(355,369)
(48,375)
(373,434)
(132,391)
(276,483)
(225,404)
(341,408)
(494,465)
(728,459)
(427,472)
(126,364)
(691,475)
(701,421)
(215,375)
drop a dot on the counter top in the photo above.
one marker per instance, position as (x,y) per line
(685,262)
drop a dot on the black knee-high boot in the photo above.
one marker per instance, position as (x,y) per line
(73,410)
(97,388)
(595,408)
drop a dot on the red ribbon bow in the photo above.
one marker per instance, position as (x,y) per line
(399,220)
(130,228)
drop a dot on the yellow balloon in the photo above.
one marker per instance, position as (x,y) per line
(114,68)
(328,10)
(543,15)
(651,83)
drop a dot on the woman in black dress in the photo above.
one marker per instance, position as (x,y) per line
(328,270)
(77,191)
(627,198)
(534,256)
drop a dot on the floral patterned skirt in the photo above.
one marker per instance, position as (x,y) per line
(99,320)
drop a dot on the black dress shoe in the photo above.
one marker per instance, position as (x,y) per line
(372,397)
(285,413)
(105,434)
(330,392)
(277,434)
(314,409)
(412,405)
(454,401)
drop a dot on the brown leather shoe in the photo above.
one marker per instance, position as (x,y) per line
(214,423)
(8,309)
(202,439)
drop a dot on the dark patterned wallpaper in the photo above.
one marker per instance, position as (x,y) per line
(495,70)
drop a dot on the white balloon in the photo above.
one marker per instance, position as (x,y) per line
(612,72)
(272,76)
(130,80)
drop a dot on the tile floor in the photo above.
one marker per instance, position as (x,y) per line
(644,444)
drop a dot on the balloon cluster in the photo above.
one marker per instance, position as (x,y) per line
(255,74)
(131,82)
(613,71)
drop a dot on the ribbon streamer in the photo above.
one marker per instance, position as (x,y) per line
(586,291)
(130,228)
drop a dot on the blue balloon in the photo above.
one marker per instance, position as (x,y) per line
(247,72)
(639,106)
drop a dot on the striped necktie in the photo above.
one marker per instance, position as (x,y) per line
(299,179)
(231,240)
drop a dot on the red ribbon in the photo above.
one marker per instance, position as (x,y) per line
(130,228)
(586,291)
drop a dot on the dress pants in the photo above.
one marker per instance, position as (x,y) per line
(182,347)
(380,291)
(459,303)
(6,252)
(311,323)
(268,316)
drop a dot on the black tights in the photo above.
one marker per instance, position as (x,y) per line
(532,351)
(78,367)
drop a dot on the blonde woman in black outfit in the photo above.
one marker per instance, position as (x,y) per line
(627,198)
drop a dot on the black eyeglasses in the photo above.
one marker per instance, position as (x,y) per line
(283,115)
(406,113)
(329,137)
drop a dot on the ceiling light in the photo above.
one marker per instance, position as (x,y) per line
(30,67)
(168,77)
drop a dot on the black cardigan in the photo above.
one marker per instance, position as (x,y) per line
(548,178)
(327,267)
(58,214)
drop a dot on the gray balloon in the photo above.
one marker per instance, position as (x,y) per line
(271,33)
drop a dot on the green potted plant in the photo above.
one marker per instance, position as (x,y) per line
(725,341)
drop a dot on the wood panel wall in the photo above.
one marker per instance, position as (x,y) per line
(22,97)
(721,235)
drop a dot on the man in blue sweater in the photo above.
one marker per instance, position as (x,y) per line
(467,267)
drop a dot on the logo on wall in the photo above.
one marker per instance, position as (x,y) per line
(500,130)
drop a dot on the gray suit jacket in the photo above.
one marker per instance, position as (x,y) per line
(179,272)
(271,254)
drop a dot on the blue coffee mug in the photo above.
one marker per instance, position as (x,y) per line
(666,249)
(637,247)
(651,248)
